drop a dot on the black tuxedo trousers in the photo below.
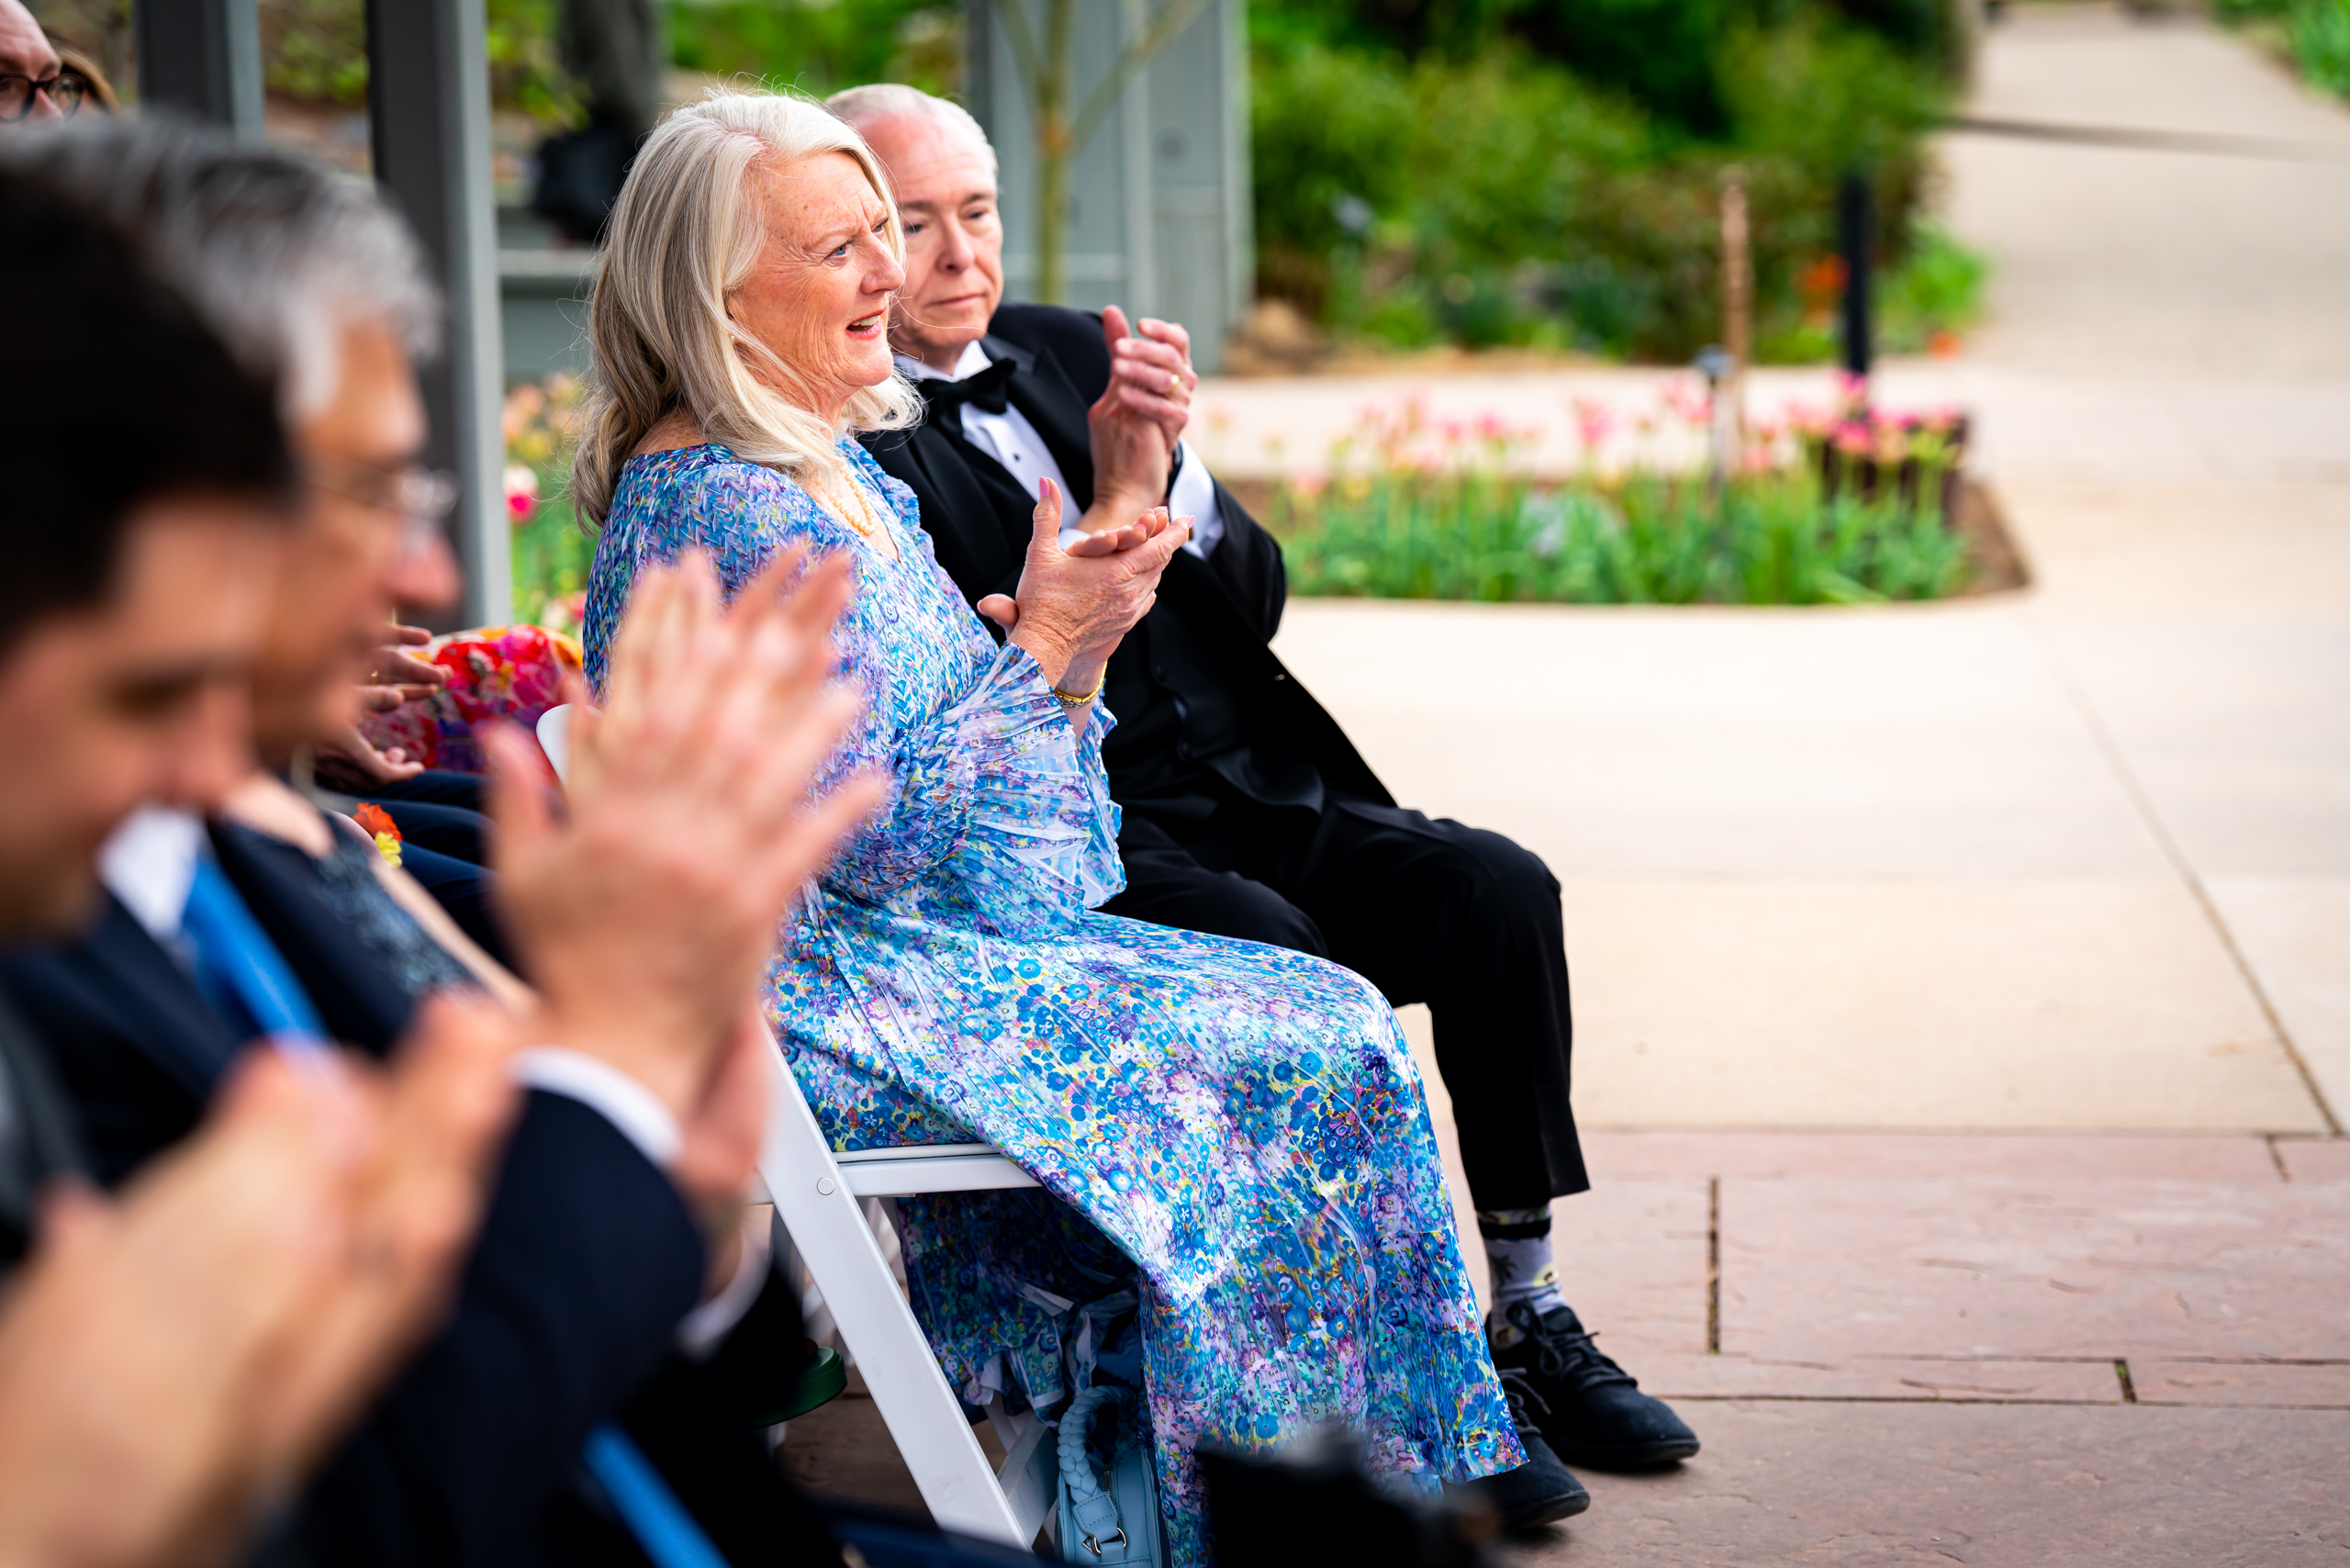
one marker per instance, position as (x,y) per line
(1247,813)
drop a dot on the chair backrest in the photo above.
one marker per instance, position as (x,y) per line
(555,739)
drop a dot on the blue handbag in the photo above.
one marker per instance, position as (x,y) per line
(1109,1512)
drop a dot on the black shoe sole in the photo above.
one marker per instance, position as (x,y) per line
(1565,1506)
(1643,1457)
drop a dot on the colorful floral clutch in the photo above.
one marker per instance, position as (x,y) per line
(494,672)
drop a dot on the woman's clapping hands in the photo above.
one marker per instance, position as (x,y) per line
(1075,604)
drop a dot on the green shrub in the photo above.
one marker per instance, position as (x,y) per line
(2320,31)
(2313,35)
(820,46)
(316,51)
(1503,201)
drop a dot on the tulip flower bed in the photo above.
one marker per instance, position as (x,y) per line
(1844,506)
(551,555)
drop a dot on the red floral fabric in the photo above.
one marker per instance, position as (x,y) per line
(494,672)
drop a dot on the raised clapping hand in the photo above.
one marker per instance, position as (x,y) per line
(1139,417)
(173,1361)
(647,920)
(1074,605)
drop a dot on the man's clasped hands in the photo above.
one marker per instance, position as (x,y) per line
(1077,600)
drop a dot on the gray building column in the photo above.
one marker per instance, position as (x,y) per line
(203,59)
(1161,222)
(428,104)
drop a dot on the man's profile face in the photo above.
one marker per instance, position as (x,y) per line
(352,559)
(953,236)
(25,52)
(140,698)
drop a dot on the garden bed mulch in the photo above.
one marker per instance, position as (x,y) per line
(1999,564)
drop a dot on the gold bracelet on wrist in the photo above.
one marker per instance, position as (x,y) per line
(1079,699)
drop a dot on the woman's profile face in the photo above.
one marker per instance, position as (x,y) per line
(819,295)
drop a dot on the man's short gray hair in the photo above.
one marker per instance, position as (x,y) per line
(870,106)
(276,251)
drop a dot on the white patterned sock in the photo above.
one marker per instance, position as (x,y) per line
(1517,1256)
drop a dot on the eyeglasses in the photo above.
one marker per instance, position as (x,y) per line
(421,498)
(66,90)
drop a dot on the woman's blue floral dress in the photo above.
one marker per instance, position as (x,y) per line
(1242,1123)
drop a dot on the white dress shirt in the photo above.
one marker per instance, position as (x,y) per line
(1012,440)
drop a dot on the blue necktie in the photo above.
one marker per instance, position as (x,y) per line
(668,1534)
(239,966)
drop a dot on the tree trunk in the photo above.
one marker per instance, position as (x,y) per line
(1056,146)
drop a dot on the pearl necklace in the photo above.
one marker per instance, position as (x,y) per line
(872,529)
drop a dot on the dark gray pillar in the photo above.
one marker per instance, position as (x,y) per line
(427,105)
(203,59)
(1856,238)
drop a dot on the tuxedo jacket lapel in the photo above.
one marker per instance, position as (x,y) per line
(1043,392)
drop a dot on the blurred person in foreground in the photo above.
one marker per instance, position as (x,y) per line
(619,1205)
(1244,1212)
(1246,811)
(173,1359)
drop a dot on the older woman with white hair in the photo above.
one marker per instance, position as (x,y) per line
(1236,1157)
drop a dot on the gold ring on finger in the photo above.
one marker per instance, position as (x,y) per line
(1174,381)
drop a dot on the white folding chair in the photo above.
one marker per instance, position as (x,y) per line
(816,1193)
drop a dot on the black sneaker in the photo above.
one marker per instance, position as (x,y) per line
(1540,1491)
(1589,1409)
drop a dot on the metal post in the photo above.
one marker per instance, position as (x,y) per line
(427,105)
(1738,296)
(203,59)
(1856,235)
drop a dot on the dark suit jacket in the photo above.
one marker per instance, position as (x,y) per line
(586,1260)
(1207,715)
(40,1140)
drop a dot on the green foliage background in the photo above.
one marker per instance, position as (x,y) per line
(1548,172)
(820,46)
(2314,34)
(316,51)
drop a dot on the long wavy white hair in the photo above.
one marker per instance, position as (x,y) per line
(684,234)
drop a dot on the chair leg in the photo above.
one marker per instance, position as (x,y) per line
(924,1417)
(1031,1469)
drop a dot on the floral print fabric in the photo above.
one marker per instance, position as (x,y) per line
(494,672)
(1239,1125)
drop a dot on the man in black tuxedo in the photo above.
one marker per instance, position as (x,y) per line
(1246,811)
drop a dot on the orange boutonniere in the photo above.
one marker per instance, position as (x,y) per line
(381,827)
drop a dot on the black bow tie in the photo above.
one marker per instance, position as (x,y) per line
(981,389)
